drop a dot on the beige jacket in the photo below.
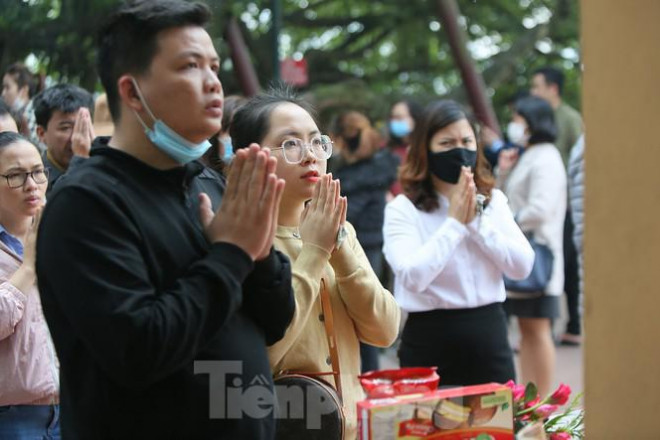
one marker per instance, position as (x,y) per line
(363,311)
(536,188)
(28,366)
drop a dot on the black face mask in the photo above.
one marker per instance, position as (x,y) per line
(446,165)
(354,142)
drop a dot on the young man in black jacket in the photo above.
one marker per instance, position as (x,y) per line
(161,310)
(64,125)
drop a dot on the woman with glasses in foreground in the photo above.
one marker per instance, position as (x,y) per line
(29,384)
(312,231)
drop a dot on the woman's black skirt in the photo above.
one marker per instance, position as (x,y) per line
(541,306)
(469,346)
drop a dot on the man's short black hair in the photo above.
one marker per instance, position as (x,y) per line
(127,41)
(552,75)
(66,98)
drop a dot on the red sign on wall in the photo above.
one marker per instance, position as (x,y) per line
(294,72)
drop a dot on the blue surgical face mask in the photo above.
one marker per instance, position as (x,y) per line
(229,149)
(169,141)
(399,128)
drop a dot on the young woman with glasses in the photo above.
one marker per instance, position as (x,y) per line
(312,231)
(29,383)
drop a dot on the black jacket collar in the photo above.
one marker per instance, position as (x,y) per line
(180,175)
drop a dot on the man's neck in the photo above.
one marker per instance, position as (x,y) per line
(134,141)
(61,168)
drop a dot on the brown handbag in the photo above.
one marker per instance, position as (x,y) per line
(307,406)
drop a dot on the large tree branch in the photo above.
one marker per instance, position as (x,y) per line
(503,67)
(298,18)
(373,43)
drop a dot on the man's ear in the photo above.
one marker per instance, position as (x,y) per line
(128,93)
(41,132)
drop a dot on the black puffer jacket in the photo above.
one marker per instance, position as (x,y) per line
(365,184)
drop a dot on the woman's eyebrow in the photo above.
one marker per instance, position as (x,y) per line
(288,133)
(22,169)
(296,133)
(15,169)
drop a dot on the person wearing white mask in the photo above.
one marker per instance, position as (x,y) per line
(516,131)
(535,183)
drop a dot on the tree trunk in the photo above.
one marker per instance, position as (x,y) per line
(243,68)
(474,84)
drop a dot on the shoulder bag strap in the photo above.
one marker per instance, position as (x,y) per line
(326,309)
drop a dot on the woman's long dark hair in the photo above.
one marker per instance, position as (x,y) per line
(415,176)
(540,119)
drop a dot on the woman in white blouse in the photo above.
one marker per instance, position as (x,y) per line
(448,253)
(536,186)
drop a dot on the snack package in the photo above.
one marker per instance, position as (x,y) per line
(388,383)
(481,412)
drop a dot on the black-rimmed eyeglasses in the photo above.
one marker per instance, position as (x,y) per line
(17,180)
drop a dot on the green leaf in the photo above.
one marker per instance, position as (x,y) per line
(531,392)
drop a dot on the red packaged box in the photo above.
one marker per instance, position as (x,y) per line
(389,383)
(480,412)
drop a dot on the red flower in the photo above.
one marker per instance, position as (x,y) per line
(560,436)
(544,411)
(518,391)
(560,397)
(532,403)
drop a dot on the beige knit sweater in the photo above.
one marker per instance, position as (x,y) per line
(363,311)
